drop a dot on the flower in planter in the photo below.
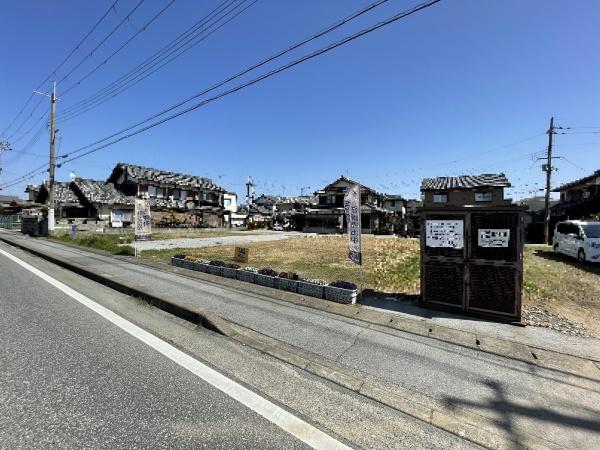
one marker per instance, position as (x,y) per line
(289,275)
(190,258)
(217,263)
(269,272)
(232,266)
(343,285)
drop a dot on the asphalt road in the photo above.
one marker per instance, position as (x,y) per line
(71,379)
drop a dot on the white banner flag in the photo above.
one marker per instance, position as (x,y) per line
(142,219)
(352,208)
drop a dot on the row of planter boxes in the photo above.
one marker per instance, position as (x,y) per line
(331,293)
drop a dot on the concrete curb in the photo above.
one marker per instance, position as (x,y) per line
(542,357)
(473,427)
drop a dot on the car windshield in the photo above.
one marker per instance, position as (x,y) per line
(592,231)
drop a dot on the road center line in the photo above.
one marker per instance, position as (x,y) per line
(288,422)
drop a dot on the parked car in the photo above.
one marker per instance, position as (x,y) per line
(277,227)
(579,239)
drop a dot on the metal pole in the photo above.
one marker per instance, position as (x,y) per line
(52,160)
(4,147)
(548,184)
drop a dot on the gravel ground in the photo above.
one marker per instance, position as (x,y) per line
(538,317)
(210,242)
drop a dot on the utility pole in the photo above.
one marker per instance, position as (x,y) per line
(51,169)
(548,169)
(4,147)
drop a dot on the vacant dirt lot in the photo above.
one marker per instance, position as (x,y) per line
(552,282)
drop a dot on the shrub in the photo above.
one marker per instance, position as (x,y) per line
(269,272)
(343,285)
(217,262)
(232,266)
(289,275)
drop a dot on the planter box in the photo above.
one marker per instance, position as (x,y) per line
(214,270)
(285,284)
(339,295)
(201,267)
(177,262)
(188,264)
(245,275)
(228,272)
(264,280)
(314,290)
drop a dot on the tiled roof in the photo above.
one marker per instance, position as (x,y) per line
(63,194)
(8,198)
(577,182)
(347,180)
(101,192)
(147,174)
(465,182)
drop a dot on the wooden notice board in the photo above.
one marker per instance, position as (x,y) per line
(241,254)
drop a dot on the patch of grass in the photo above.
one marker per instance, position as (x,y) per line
(391,265)
(107,242)
(163,235)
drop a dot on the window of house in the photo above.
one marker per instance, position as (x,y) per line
(483,196)
(160,192)
(152,191)
(227,202)
(440,198)
(176,193)
(184,194)
(392,203)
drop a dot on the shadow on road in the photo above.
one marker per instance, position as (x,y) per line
(509,413)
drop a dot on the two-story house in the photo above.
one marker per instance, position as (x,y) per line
(196,201)
(328,215)
(579,199)
(465,190)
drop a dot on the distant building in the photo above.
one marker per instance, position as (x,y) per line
(327,216)
(533,218)
(579,199)
(8,199)
(466,190)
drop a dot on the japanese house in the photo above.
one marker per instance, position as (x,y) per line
(466,190)
(327,216)
(579,199)
(176,199)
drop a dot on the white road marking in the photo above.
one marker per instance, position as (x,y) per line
(280,417)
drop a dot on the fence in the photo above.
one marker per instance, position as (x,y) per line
(10,221)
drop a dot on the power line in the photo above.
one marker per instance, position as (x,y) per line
(256,80)
(89,55)
(148,66)
(269,74)
(127,42)
(87,35)
(240,74)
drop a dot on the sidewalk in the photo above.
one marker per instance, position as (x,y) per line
(529,393)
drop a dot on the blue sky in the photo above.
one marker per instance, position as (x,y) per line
(465,86)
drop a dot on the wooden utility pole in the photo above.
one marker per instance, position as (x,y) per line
(52,159)
(548,168)
(4,147)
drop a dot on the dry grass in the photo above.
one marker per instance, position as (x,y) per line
(562,285)
(162,235)
(556,283)
(391,265)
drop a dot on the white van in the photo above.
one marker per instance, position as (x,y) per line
(578,239)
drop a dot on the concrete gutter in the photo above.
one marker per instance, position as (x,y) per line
(466,424)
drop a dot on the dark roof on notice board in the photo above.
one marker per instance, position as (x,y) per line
(583,180)
(150,175)
(96,191)
(465,182)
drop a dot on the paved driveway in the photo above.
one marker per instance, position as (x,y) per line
(210,242)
